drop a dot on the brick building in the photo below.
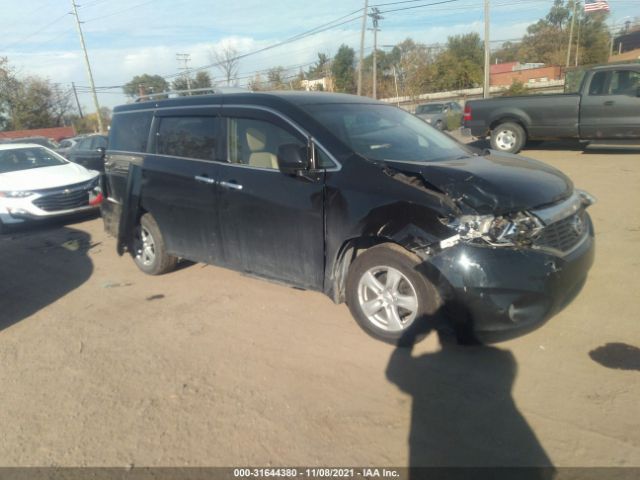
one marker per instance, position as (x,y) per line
(504,74)
(56,134)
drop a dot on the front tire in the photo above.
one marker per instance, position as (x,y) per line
(388,297)
(149,249)
(508,137)
(440,125)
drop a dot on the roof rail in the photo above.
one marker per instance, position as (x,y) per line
(186,93)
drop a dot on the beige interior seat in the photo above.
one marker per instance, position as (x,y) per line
(259,157)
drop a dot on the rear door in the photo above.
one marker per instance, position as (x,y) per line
(611,109)
(272,224)
(179,181)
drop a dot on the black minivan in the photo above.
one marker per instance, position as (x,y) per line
(352,197)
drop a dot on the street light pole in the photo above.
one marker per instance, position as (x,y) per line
(86,60)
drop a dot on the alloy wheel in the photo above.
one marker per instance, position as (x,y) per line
(145,247)
(387,298)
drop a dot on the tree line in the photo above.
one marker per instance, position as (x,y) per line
(34,102)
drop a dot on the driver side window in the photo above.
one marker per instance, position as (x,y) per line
(255,143)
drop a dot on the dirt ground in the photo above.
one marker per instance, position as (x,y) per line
(101,365)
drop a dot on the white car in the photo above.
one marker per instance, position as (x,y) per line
(37,183)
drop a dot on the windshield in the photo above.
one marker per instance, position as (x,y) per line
(385,132)
(434,108)
(17,159)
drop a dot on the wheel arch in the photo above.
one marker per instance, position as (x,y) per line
(509,119)
(353,247)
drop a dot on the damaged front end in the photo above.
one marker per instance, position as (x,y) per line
(507,274)
(521,229)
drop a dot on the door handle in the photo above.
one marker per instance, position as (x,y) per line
(233,185)
(609,103)
(201,179)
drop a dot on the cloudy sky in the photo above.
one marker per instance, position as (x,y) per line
(130,37)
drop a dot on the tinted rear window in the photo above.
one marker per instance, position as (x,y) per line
(190,137)
(130,132)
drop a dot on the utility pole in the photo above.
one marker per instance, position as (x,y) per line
(487,52)
(361,58)
(186,58)
(573,19)
(75,94)
(86,60)
(375,16)
(578,42)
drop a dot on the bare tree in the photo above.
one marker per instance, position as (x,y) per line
(227,62)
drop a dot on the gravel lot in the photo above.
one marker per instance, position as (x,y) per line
(101,365)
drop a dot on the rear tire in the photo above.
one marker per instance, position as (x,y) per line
(149,249)
(388,297)
(508,137)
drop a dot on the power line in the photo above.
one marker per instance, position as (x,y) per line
(120,11)
(20,40)
(300,36)
(418,6)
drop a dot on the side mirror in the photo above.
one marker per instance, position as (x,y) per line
(101,150)
(292,158)
(638,92)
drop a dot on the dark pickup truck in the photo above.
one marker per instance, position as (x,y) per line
(607,107)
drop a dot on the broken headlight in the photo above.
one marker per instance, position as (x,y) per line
(518,229)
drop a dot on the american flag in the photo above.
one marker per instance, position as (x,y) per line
(596,6)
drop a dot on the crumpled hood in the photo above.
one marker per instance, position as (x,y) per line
(495,183)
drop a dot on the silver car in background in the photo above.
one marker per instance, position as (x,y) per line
(440,114)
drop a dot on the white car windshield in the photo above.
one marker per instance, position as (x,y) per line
(16,159)
(387,133)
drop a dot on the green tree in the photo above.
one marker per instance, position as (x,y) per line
(343,69)
(145,84)
(460,65)
(594,39)
(321,68)
(8,85)
(412,62)
(89,123)
(547,40)
(30,102)
(201,80)
(508,52)
(516,88)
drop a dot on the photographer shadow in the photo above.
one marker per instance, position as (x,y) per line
(463,414)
